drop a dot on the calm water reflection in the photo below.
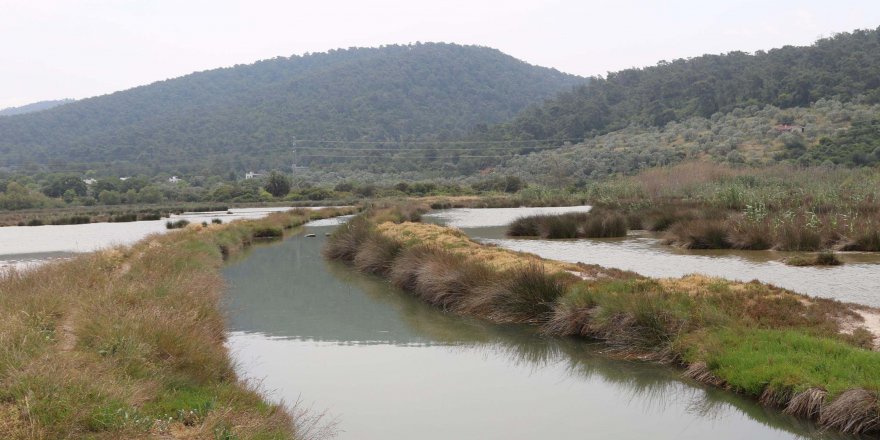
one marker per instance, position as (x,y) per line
(388,366)
(856,281)
(26,246)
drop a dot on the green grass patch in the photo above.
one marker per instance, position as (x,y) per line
(751,360)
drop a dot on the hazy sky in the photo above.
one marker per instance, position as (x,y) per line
(73,49)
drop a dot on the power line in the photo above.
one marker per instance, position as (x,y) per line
(512,141)
(430,149)
(406,157)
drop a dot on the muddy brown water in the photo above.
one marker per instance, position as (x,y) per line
(383,365)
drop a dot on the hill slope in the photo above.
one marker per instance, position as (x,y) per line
(834,133)
(844,67)
(244,116)
(35,107)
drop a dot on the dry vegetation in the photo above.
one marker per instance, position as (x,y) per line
(597,223)
(705,205)
(810,357)
(129,343)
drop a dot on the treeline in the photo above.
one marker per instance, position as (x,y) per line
(246,117)
(61,190)
(845,66)
(828,133)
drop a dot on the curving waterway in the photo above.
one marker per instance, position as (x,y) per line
(383,365)
(858,280)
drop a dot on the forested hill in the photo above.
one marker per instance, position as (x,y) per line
(845,67)
(35,107)
(244,116)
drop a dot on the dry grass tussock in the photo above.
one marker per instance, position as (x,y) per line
(456,242)
(705,205)
(790,351)
(128,343)
(594,224)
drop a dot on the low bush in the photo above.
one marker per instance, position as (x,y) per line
(597,224)
(345,242)
(699,234)
(527,294)
(821,259)
(178,224)
(268,232)
(73,220)
(376,255)
(123,218)
(151,216)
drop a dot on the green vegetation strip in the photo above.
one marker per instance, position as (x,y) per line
(810,357)
(129,342)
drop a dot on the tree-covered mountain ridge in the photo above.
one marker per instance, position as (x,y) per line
(844,67)
(34,107)
(810,105)
(224,118)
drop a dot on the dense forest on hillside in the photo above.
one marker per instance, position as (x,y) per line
(723,107)
(35,107)
(245,117)
(845,67)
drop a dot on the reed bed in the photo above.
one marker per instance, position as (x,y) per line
(809,357)
(129,343)
(709,205)
(594,224)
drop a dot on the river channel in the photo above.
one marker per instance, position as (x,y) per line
(383,365)
(858,280)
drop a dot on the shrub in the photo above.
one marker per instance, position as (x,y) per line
(376,255)
(439,277)
(268,232)
(524,227)
(798,237)
(604,224)
(73,220)
(598,224)
(123,218)
(527,295)
(559,226)
(820,259)
(346,240)
(176,224)
(700,234)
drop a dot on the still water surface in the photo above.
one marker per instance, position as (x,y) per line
(26,246)
(386,366)
(856,281)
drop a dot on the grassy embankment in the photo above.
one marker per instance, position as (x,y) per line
(131,213)
(710,206)
(129,342)
(810,357)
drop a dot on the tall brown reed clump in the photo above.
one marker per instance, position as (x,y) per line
(700,234)
(595,224)
(346,241)
(438,277)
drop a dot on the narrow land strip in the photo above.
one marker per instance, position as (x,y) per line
(810,357)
